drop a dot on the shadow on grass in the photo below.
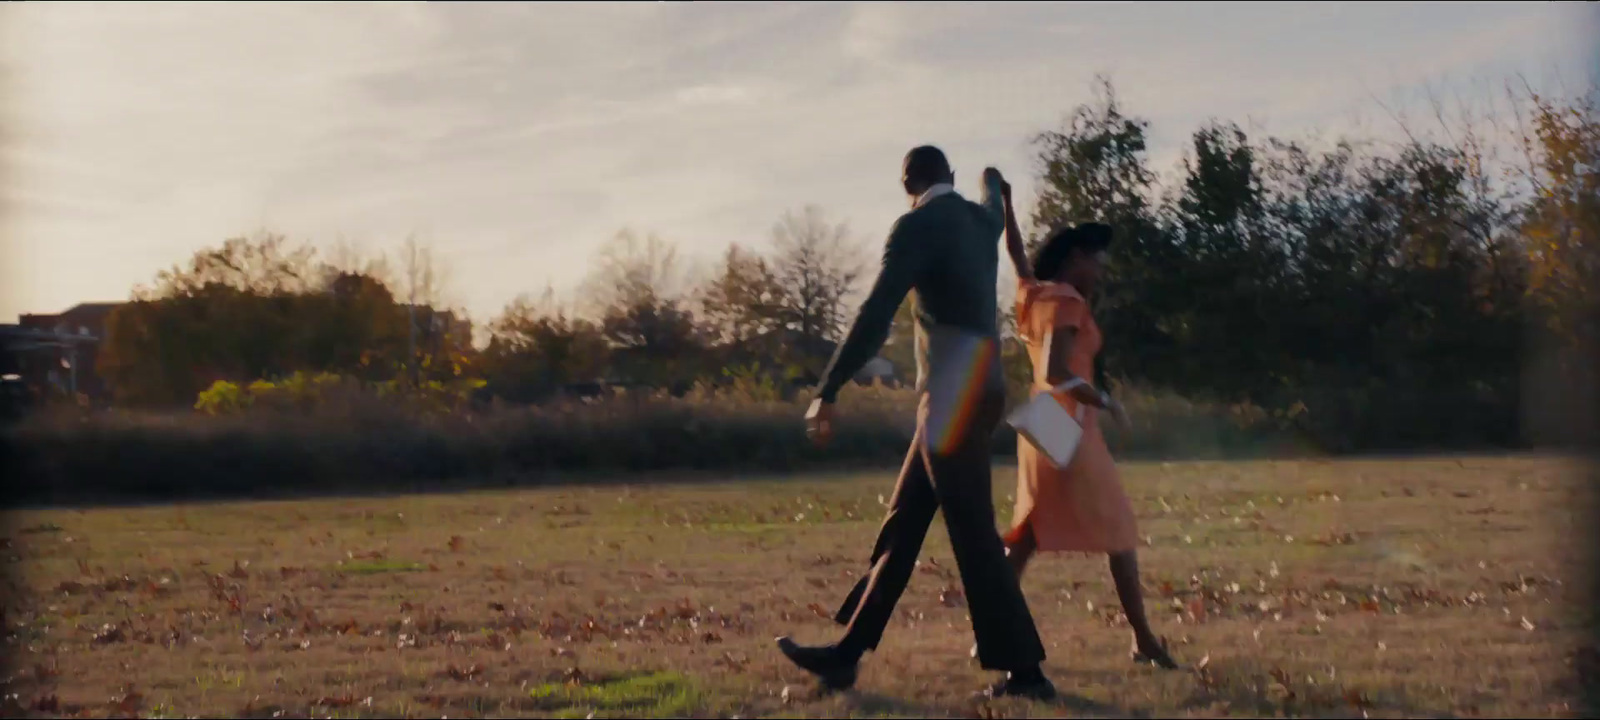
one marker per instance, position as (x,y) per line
(1079,705)
(857,703)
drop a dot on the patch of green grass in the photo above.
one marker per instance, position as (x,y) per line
(42,528)
(661,694)
(376,567)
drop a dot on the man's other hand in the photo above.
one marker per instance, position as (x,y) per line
(992,174)
(819,422)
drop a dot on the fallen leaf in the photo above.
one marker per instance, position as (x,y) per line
(109,634)
(463,674)
(131,702)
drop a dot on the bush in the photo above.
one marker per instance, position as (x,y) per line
(272,440)
(223,398)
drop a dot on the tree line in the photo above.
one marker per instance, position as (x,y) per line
(1392,294)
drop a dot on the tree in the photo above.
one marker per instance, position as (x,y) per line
(261,265)
(235,312)
(816,267)
(1561,145)
(537,348)
(1095,169)
(783,310)
(1232,270)
(743,299)
(439,342)
(637,291)
(1563,222)
(251,309)
(357,328)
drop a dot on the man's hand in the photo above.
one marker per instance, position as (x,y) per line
(819,422)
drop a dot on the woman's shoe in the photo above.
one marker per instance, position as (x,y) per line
(1158,657)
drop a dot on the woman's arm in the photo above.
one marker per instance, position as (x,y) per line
(1057,372)
(1019,254)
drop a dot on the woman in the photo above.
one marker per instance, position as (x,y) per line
(1081,508)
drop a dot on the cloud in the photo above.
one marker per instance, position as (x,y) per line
(520,137)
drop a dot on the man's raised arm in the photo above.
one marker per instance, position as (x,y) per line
(902,260)
(992,199)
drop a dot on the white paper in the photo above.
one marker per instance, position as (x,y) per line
(1046,425)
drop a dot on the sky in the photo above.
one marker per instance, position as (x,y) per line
(516,138)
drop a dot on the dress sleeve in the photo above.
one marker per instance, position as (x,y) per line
(1043,307)
(1064,310)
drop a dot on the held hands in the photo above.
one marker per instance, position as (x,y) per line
(819,422)
(991,174)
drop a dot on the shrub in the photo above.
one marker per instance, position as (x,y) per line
(223,398)
(382,438)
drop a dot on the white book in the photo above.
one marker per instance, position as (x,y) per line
(955,368)
(1046,424)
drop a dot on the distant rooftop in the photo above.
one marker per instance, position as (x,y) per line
(77,308)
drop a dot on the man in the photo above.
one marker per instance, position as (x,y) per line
(945,248)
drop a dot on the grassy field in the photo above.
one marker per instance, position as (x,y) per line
(1444,587)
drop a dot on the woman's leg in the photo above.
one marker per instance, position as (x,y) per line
(1020,546)
(1125,574)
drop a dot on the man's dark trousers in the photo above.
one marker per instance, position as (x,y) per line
(959,482)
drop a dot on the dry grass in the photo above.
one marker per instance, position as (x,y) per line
(1399,588)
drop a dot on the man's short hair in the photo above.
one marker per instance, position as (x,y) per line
(927,164)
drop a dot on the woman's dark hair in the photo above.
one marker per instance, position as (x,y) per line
(1058,246)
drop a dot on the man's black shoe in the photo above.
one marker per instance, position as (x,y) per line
(836,670)
(1032,685)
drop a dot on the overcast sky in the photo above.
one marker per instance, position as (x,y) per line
(516,138)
